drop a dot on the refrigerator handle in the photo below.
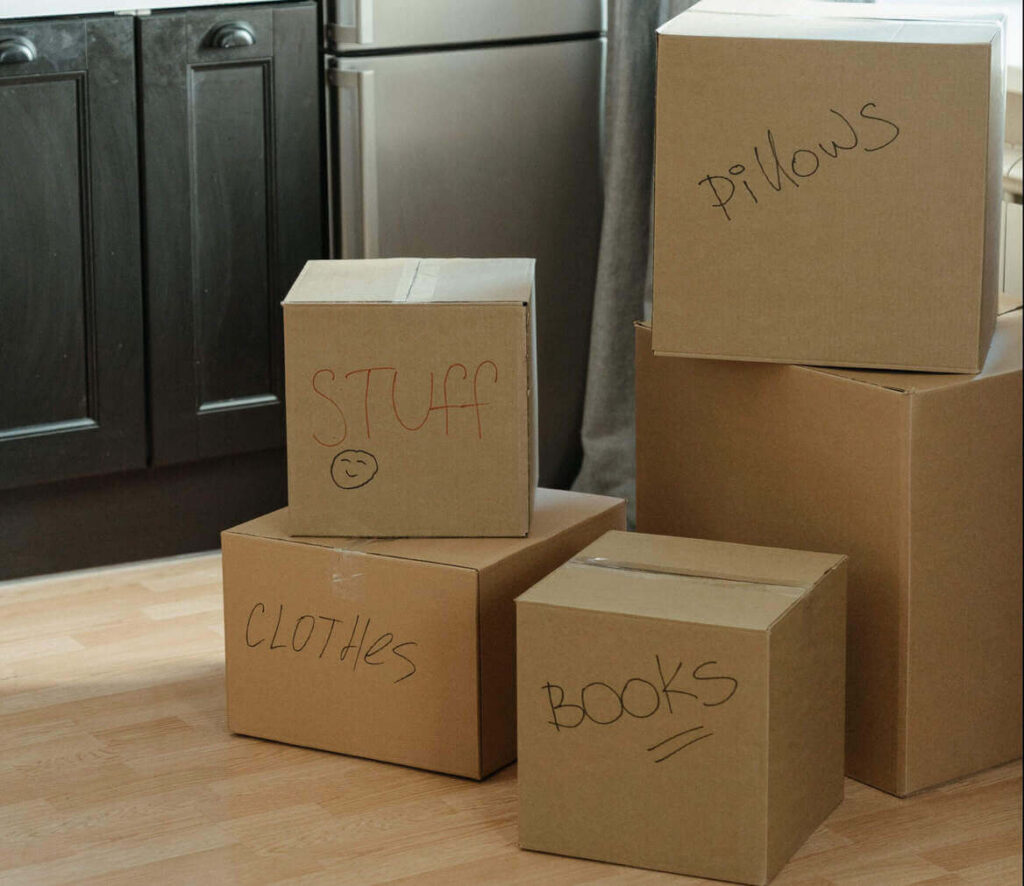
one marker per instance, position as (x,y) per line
(356,127)
(353,22)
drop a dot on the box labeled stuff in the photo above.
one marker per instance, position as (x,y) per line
(681,704)
(917,478)
(410,397)
(827,185)
(400,650)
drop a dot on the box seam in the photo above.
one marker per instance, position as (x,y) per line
(903,20)
(653,196)
(520,602)
(479,685)
(906,531)
(814,362)
(982,252)
(297,539)
(766,855)
(561,532)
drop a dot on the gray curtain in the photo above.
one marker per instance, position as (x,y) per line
(622,291)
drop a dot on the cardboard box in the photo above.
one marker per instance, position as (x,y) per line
(411,397)
(827,185)
(681,704)
(916,477)
(401,650)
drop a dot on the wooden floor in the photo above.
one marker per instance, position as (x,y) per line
(116,767)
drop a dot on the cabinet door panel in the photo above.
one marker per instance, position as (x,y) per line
(43,336)
(231,244)
(71,402)
(232,191)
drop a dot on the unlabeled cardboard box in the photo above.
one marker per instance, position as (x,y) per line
(681,704)
(411,398)
(400,650)
(827,185)
(918,478)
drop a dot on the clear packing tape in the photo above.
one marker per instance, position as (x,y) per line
(660,570)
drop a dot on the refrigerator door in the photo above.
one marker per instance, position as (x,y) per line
(482,153)
(361,25)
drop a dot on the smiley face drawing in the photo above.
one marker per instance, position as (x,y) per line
(352,468)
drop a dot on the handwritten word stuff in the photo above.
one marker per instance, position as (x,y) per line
(323,637)
(671,690)
(371,397)
(869,133)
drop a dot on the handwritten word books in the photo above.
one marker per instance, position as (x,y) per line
(828,185)
(680,704)
(399,650)
(410,397)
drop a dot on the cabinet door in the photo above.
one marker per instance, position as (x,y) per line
(71,397)
(232,196)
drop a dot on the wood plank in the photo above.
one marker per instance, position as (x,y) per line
(116,767)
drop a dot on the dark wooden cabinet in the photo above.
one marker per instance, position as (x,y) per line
(231,189)
(160,188)
(71,343)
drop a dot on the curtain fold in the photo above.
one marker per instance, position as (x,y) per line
(623,287)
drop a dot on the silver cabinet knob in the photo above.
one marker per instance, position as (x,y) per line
(232,35)
(17,50)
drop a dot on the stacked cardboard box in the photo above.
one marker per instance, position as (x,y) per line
(828,249)
(681,704)
(918,479)
(824,371)
(821,375)
(410,396)
(410,414)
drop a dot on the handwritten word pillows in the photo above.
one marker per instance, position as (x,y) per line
(681,704)
(410,397)
(827,186)
(395,649)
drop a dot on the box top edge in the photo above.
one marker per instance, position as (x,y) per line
(806,19)
(391,281)
(554,512)
(685,580)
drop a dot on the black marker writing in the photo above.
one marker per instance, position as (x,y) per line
(689,736)
(733,685)
(603,703)
(405,658)
(895,128)
(380,651)
(667,684)
(801,161)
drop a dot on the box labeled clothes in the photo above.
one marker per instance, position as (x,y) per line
(400,650)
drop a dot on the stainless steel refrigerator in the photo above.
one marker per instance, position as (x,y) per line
(473,128)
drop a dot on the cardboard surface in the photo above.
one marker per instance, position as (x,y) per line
(846,220)
(653,736)
(400,650)
(918,479)
(411,397)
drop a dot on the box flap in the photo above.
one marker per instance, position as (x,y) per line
(809,20)
(681,579)
(555,511)
(1004,356)
(413,280)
